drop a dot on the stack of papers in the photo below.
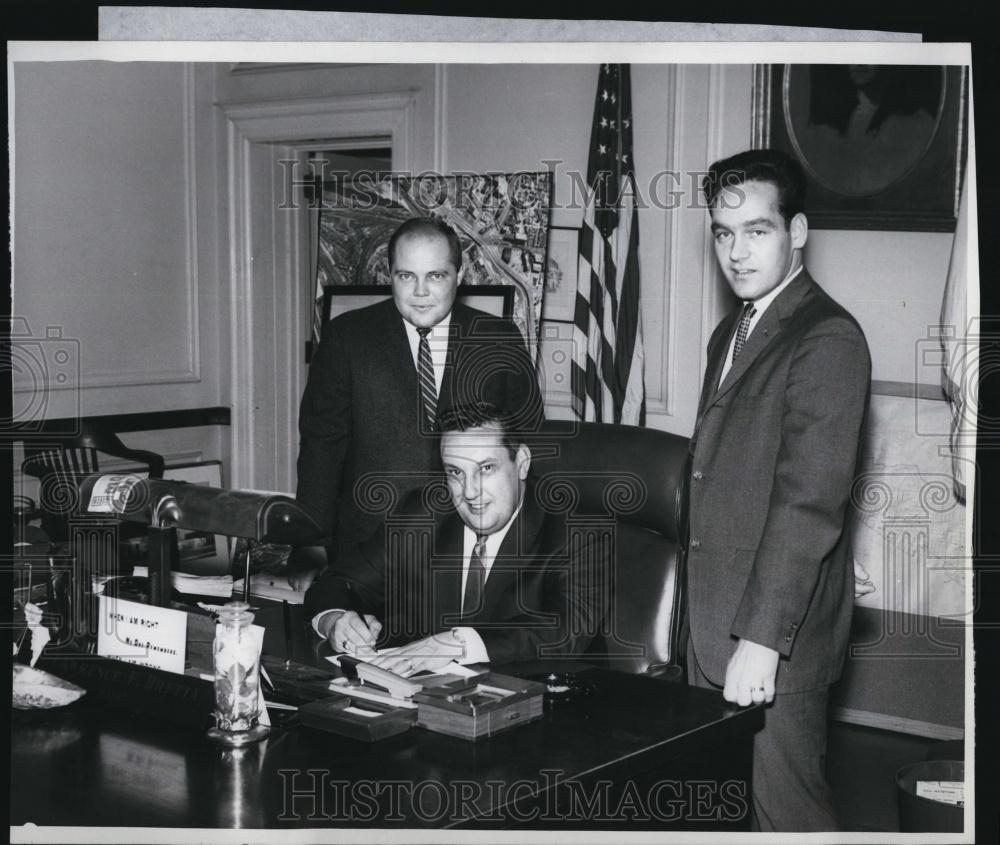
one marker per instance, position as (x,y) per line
(196,585)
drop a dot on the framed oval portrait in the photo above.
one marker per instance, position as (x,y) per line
(883,146)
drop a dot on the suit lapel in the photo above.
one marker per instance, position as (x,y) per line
(398,355)
(716,358)
(446,572)
(510,559)
(765,332)
(458,331)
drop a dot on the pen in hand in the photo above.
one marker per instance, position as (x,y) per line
(354,633)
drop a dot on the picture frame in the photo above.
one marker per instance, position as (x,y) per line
(561,268)
(883,146)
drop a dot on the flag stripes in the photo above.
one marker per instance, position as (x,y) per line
(607,333)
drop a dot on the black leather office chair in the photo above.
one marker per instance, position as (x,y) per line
(61,462)
(630,482)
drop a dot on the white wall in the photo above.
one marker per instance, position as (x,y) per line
(892,282)
(114,243)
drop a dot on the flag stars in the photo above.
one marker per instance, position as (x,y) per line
(602,149)
(604,95)
(604,122)
(626,123)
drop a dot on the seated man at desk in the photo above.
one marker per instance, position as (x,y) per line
(497,580)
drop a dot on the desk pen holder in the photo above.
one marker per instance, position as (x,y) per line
(236,658)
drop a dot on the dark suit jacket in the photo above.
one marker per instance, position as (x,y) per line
(774,455)
(363,441)
(545,595)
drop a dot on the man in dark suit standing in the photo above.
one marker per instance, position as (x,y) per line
(774,455)
(381,374)
(490,577)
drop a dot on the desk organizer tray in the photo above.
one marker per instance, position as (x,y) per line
(357,718)
(480,706)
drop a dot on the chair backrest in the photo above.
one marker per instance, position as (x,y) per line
(632,483)
(61,462)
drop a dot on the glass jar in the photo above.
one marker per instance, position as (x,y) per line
(237,667)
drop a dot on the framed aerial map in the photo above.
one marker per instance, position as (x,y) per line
(502,221)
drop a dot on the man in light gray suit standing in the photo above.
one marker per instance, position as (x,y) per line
(774,455)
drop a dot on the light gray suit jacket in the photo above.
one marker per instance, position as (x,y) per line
(774,456)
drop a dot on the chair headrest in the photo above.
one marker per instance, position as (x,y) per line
(636,474)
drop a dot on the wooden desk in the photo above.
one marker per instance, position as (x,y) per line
(638,754)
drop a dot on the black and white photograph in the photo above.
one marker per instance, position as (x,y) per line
(516,443)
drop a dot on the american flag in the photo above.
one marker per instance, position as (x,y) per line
(607,331)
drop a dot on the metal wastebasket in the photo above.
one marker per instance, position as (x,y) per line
(921,815)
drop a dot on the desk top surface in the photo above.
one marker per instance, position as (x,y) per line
(92,765)
(87,765)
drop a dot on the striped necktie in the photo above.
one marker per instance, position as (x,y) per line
(744,328)
(425,374)
(476,578)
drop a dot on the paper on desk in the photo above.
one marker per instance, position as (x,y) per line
(946,791)
(198,585)
(452,668)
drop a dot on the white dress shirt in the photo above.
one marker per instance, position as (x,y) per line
(760,306)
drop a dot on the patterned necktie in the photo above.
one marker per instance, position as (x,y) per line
(425,374)
(744,328)
(476,578)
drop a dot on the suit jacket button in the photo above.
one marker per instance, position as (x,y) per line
(696,475)
(695,544)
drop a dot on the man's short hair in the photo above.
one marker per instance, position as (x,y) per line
(471,415)
(427,227)
(774,166)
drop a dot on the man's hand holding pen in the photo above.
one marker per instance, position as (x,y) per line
(349,632)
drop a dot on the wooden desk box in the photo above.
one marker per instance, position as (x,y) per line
(485,704)
(361,719)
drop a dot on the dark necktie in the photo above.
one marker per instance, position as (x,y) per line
(744,328)
(476,578)
(425,374)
